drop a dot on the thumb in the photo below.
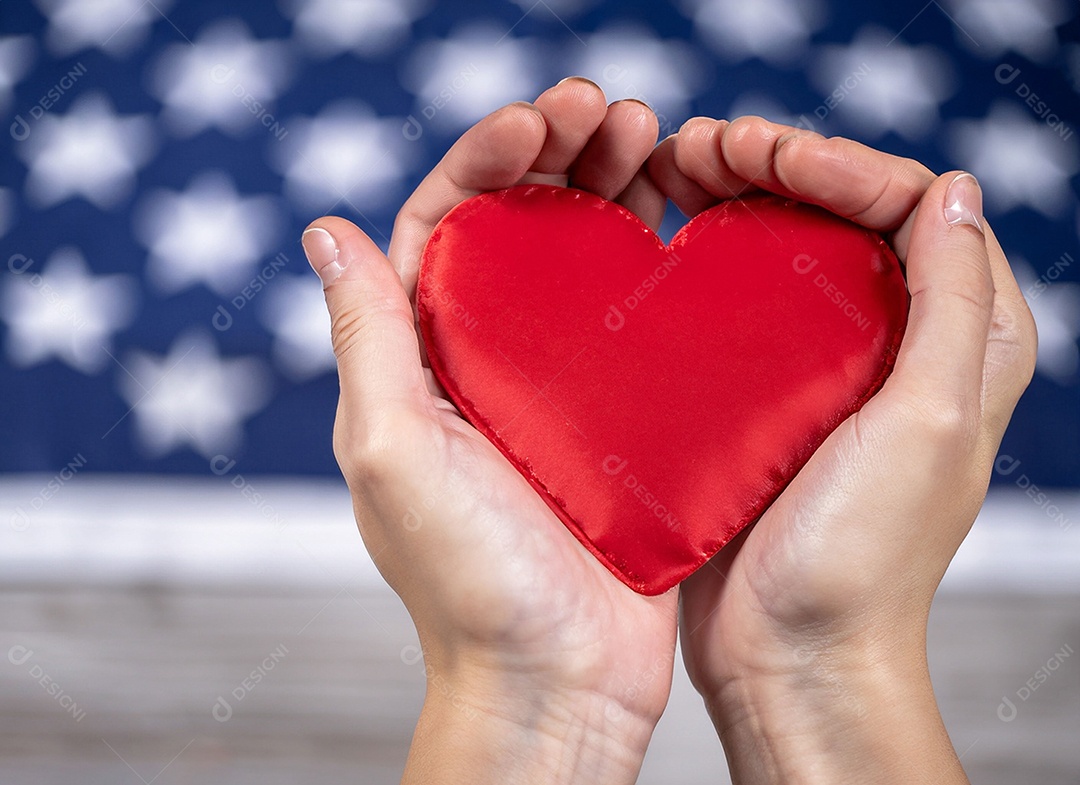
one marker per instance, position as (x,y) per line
(952,294)
(371,321)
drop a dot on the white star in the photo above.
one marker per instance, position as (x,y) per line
(64,311)
(208,234)
(192,396)
(344,152)
(878,84)
(328,28)
(989,28)
(16,57)
(474,71)
(1019,160)
(1056,308)
(295,312)
(115,26)
(89,152)
(630,62)
(774,30)
(225,80)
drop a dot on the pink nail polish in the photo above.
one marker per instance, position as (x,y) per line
(963,201)
(322,254)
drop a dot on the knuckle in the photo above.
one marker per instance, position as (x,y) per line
(376,447)
(1013,331)
(942,422)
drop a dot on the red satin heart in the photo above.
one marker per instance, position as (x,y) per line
(658,398)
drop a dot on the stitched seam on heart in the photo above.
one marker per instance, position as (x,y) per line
(557,504)
(482,424)
(767,498)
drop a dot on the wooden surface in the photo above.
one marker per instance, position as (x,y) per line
(343,689)
(146,619)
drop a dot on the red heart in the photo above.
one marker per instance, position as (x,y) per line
(658,398)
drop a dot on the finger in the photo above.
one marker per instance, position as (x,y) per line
(644,199)
(371,322)
(617,150)
(687,195)
(495,153)
(699,157)
(869,187)
(573,110)
(952,299)
(1012,344)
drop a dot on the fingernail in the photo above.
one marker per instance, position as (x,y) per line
(322,254)
(636,101)
(584,79)
(963,201)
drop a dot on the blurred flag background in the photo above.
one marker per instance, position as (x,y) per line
(167,386)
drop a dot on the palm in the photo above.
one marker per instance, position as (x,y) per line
(544,602)
(831,539)
(545,595)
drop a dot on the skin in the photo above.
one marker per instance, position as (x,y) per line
(806,636)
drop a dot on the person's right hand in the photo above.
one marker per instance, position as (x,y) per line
(541,665)
(806,635)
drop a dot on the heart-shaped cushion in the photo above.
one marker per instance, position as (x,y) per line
(658,398)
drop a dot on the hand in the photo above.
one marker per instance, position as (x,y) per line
(542,667)
(806,636)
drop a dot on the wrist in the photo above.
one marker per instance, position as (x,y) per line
(479,726)
(863,712)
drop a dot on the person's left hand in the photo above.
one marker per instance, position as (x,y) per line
(562,669)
